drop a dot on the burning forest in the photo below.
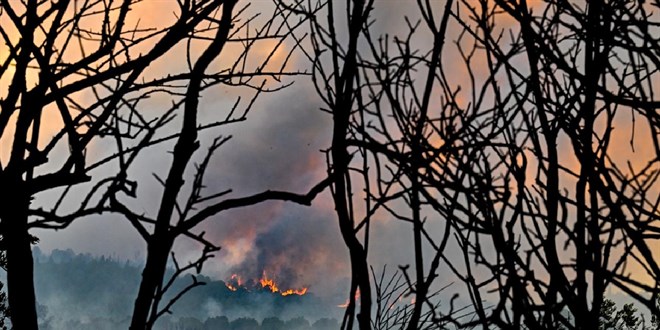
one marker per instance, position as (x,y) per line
(265,283)
(501,157)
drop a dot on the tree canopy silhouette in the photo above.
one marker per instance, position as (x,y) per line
(523,154)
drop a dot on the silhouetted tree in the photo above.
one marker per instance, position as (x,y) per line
(403,145)
(655,317)
(623,319)
(335,66)
(564,210)
(417,147)
(81,67)
(516,164)
(70,73)
(179,215)
(521,167)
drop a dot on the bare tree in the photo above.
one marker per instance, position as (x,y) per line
(57,53)
(335,65)
(178,215)
(514,159)
(408,149)
(557,216)
(399,125)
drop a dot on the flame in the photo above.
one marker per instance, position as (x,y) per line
(268,283)
(237,279)
(299,292)
(235,282)
(356,298)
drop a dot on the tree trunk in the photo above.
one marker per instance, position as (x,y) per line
(360,268)
(20,268)
(152,277)
(359,265)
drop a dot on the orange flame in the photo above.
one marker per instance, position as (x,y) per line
(269,284)
(237,279)
(299,292)
(234,282)
(266,283)
(357,298)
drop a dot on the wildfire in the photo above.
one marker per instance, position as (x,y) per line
(268,283)
(299,292)
(235,282)
(357,298)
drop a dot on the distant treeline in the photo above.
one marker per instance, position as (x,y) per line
(213,323)
(80,291)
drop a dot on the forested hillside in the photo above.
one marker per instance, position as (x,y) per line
(79,291)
